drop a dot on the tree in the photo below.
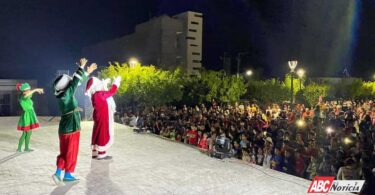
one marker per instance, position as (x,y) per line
(146,85)
(213,80)
(231,89)
(368,89)
(352,88)
(296,83)
(213,85)
(268,91)
(194,91)
(313,91)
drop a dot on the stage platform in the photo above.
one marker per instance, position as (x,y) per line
(142,164)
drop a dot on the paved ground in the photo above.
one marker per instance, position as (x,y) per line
(142,164)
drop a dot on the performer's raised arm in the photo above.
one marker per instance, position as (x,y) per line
(113,89)
(81,75)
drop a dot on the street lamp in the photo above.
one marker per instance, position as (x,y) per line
(292,66)
(249,72)
(239,62)
(133,61)
(301,74)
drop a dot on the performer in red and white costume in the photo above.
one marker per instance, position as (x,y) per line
(103,115)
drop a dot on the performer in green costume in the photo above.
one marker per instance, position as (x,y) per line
(70,123)
(28,120)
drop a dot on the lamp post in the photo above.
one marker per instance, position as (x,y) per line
(249,72)
(292,66)
(239,62)
(133,62)
(301,74)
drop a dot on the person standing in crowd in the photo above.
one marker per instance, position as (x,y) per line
(324,166)
(299,164)
(312,168)
(28,120)
(288,164)
(259,157)
(277,161)
(203,143)
(349,171)
(192,136)
(247,131)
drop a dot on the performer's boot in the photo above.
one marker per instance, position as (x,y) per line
(57,177)
(102,155)
(94,154)
(69,178)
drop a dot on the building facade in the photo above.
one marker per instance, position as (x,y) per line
(165,41)
(9,104)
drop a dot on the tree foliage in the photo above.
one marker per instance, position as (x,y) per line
(352,89)
(194,91)
(213,85)
(146,85)
(231,89)
(268,91)
(368,89)
(298,83)
(313,91)
(151,86)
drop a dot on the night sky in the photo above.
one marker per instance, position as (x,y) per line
(37,37)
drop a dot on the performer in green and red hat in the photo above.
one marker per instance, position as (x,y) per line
(28,120)
(70,123)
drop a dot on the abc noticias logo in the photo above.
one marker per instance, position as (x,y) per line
(322,184)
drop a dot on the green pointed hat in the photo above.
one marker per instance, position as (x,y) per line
(22,87)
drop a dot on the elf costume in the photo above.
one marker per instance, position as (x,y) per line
(28,120)
(69,127)
(103,115)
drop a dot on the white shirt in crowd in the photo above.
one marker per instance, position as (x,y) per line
(267,161)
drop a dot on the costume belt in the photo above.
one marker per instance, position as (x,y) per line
(78,109)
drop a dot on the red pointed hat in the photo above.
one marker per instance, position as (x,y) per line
(91,84)
(22,86)
(18,86)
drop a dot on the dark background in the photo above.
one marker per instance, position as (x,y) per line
(37,37)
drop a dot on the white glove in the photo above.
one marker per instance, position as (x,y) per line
(107,81)
(117,81)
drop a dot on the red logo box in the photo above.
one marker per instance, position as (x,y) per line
(321,184)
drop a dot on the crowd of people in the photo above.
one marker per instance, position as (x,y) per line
(333,138)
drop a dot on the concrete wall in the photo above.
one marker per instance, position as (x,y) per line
(170,48)
(193,29)
(9,105)
(164,41)
(333,80)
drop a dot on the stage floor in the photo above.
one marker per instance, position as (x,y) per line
(142,164)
